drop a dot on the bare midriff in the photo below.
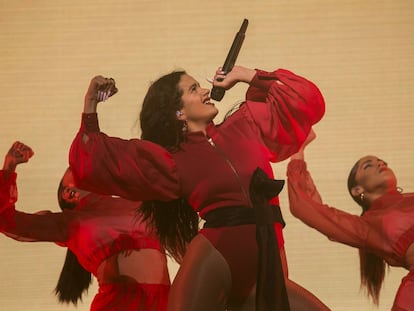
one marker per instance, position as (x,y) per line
(147,266)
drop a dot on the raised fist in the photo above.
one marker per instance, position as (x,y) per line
(100,89)
(18,153)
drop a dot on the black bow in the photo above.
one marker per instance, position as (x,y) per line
(271,292)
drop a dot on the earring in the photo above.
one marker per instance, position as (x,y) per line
(179,113)
(185,126)
(362,196)
(400,190)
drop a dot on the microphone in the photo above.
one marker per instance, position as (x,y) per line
(217,93)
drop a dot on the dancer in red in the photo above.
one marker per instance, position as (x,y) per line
(384,233)
(104,237)
(184,164)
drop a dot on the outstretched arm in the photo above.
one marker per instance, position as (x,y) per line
(306,204)
(41,226)
(299,297)
(300,155)
(134,169)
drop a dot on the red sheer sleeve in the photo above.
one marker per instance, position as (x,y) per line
(50,227)
(21,226)
(305,204)
(134,169)
(8,196)
(283,106)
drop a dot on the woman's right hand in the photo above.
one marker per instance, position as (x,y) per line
(100,89)
(17,154)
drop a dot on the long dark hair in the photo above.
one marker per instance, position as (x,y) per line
(371,267)
(74,280)
(158,117)
(175,222)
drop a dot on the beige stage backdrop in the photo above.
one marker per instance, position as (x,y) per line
(360,54)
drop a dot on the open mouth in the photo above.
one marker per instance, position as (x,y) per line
(208,102)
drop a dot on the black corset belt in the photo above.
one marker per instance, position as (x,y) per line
(239,215)
(271,292)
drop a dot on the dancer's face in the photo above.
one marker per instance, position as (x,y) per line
(197,107)
(374,175)
(71,193)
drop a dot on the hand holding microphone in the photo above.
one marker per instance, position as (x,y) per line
(217,93)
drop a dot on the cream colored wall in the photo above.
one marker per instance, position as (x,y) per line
(360,53)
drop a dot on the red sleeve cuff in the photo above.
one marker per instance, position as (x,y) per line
(263,79)
(90,122)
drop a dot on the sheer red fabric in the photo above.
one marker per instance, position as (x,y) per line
(386,229)
(100,227)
